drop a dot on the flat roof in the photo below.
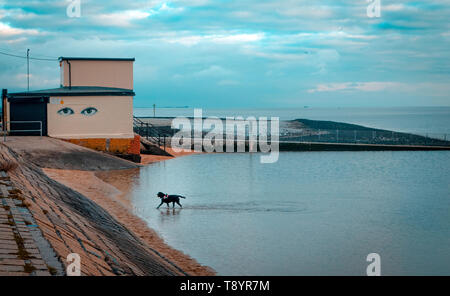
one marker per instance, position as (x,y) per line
(74,91)
(95,59)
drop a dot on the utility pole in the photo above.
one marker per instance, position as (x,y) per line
(28,69)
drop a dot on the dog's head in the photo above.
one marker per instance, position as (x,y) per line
(160,195)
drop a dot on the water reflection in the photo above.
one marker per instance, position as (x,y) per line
(124,180)
(169,214)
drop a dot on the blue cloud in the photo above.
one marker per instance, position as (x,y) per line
(392,26)
(242,53)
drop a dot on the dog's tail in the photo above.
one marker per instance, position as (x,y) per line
(182,196)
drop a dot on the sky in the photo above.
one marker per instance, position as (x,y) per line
(242,54)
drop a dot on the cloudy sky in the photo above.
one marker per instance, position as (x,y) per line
(247,53)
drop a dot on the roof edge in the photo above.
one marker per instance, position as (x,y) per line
(75,91)
(95,59)
(74,94)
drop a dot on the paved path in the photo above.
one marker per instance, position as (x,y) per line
(19,254)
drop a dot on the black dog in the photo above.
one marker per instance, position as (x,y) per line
(165,198)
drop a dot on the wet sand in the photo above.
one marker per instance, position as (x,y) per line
(110,189)
(147,159)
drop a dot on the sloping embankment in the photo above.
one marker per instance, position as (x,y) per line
(57,154)
(74,224)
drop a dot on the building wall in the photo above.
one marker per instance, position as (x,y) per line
(113,118)
(115,146)
(117,74)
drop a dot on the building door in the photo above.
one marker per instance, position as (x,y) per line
(27,115)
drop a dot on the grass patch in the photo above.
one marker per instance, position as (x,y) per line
(52,270)
(29,268)
(22,253)
(7,165)
(16,196)
(23,205)
(11,220)
(15,191)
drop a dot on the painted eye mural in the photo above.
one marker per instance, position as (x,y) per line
(89,111)
(66,111)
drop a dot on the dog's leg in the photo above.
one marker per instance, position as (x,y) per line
(160,204)
(173,204)
(179,204)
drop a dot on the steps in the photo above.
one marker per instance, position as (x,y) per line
(148,131)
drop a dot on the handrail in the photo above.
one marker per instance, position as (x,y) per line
(5,132)
(345,136)
(149,131)
(342,135)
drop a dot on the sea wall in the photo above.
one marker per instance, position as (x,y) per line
(286,146)
(74,224)
(125,148)
(305,146)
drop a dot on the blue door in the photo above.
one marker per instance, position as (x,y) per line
(27,115)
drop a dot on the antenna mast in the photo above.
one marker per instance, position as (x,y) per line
(28,69)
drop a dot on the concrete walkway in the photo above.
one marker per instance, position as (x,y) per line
(19,254)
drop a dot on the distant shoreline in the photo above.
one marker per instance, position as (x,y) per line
(324,135)
(413,119)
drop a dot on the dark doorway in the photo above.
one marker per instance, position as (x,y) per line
(25,114)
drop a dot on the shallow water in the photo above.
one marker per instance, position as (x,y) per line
(315,213)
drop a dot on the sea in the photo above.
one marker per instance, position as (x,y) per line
(420,120)
(309,213)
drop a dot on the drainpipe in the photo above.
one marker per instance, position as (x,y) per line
(28,69)
(70,74)
(4,94)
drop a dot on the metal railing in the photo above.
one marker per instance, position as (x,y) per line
(149,131)
(369,136)
(339,136)
(8,123)
(312,135)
